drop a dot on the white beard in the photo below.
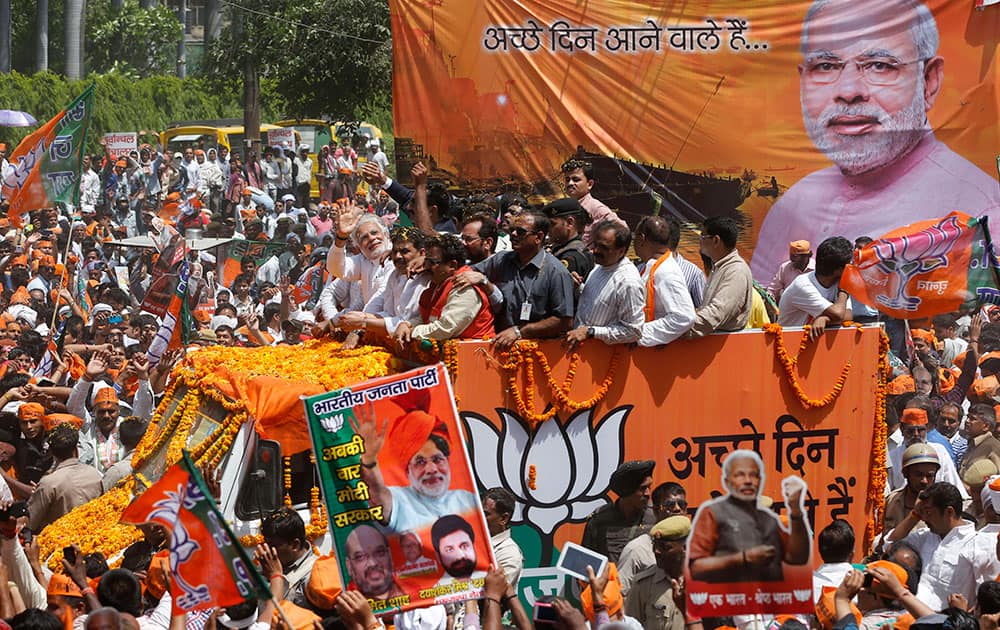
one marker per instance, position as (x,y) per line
(855,155)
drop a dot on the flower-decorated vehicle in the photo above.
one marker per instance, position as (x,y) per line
(238,411)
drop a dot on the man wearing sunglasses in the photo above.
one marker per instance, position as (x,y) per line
(669,499)
(870,73)
(536,289)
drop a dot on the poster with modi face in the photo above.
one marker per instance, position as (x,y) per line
(806,119)
(407,523)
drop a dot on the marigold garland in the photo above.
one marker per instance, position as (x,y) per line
(532,472)
(95,527)
(526,354)
(875,501)
(789,363)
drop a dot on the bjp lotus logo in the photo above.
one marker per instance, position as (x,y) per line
(902,258)
(559,474)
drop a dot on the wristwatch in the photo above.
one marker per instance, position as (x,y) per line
(590,332)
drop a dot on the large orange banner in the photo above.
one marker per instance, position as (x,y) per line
(686,406)
(808,119)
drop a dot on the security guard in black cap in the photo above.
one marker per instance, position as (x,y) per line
(612,526)
(568,221)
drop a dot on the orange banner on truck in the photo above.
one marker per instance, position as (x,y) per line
(810,120)
(686,406)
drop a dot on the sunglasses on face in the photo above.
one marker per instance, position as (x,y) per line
(520,232)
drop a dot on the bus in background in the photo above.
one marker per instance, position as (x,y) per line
(206,134)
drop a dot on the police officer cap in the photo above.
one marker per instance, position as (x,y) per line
(671,528)
(630,476)
(921,453)
(567,207)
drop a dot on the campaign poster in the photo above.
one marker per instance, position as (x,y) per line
(284,137)
(407,524)
(742,558)
(805,119)
(119,144)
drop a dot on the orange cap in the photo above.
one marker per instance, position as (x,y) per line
(914,417)
(301,618)
(826,611)
(324,585)
(946,380)
(796,248)
(891,567)
(612,595)
(106,395)
(901,385)
(985,388)
(926,335)
(121,162)
(61,584)
(53,420)
(31,411)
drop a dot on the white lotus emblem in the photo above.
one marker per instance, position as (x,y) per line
(699,599)
(572,463)
(802,595)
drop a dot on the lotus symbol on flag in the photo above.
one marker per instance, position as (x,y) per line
(572,463)
(802,595)
(699,599)
(904,257)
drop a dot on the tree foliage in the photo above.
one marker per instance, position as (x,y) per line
(323,69)
(125,104)
(132,41)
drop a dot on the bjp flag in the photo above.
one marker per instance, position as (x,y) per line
(208,566)
(927,268)
(46,165)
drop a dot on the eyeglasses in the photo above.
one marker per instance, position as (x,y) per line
(470,239)
(879,71)
(672,503)
(421,462)
(520,232)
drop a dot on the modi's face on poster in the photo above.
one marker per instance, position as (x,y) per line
(429,471)
(743,479)
(863,80)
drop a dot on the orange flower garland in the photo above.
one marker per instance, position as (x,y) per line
(532,472)
(875,501)
(525,354)
(789,364)
(325,363)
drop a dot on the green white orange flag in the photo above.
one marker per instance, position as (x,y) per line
(208,566)
(927,268)
(46,165)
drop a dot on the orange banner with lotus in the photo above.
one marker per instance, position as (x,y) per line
(809,409)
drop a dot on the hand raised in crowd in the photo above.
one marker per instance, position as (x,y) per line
(570,616)
(957,600)
(976,326)
(365,424)
(419,173)
(97,365)
(597,584)
(495,583)
(850,586)
(353,608)
(267,558)
(678,589)
(347,219)
(372,174)
(212,481)
(78,569)
(140,365)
